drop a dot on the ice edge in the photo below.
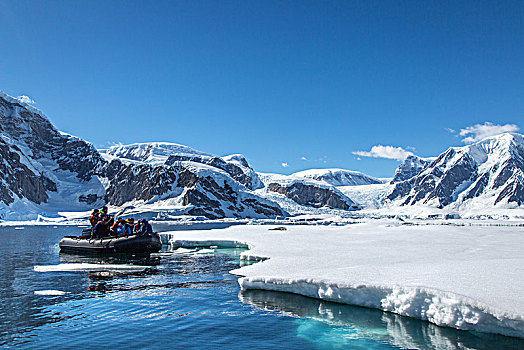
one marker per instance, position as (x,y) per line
(441,308)
(444,309)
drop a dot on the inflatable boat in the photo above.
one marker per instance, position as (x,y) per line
(137,244)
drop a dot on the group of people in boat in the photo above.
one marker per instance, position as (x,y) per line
(105,225)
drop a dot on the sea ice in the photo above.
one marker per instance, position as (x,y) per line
(465,277)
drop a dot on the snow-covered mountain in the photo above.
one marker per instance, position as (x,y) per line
(42,169)
(338,177)
(489,173)
(45,171)
(165,153)
(410,167)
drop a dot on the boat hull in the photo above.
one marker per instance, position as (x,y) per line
(137,244)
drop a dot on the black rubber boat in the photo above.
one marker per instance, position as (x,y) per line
(136,244)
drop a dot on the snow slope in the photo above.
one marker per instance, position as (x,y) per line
(154,153)
(468,278)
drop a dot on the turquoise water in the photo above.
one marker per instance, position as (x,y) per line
(184,301)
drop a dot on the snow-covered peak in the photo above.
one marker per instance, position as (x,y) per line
(493,147)
(410,167)
(338,177)
(237,159)
(14,100)
(155,153)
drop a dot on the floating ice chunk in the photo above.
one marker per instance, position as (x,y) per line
(204,251)
(87,267)
(50,292)
(183,251)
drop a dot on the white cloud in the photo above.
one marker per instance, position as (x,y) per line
(450,130)
(25,99)
(285,165)
(388,152)
(479,131)
(303,158)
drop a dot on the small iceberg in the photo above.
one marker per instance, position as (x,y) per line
(52,292)
(87,267)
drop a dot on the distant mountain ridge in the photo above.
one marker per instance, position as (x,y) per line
(338,177)
(487,173)
(45,171)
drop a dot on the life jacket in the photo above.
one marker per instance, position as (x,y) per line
(94,219)
(115,226)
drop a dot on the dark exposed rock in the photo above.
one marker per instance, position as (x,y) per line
(44,141)
(313,196)
(139,182)
(187,179)
(434,184)
(19,180)
(210,197)
(89,199)
(478,188)
(235,171)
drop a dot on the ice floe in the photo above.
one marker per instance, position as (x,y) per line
(468,278)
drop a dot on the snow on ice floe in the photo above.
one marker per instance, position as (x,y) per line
(87,267)
(467,278)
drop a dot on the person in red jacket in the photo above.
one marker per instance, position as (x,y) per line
(95,217)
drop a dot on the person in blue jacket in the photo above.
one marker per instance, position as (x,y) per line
(145,227)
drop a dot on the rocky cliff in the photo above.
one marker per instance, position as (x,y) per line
(314,196)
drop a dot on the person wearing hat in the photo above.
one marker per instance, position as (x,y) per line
(128,226)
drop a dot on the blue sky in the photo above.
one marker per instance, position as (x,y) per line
(309,84)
